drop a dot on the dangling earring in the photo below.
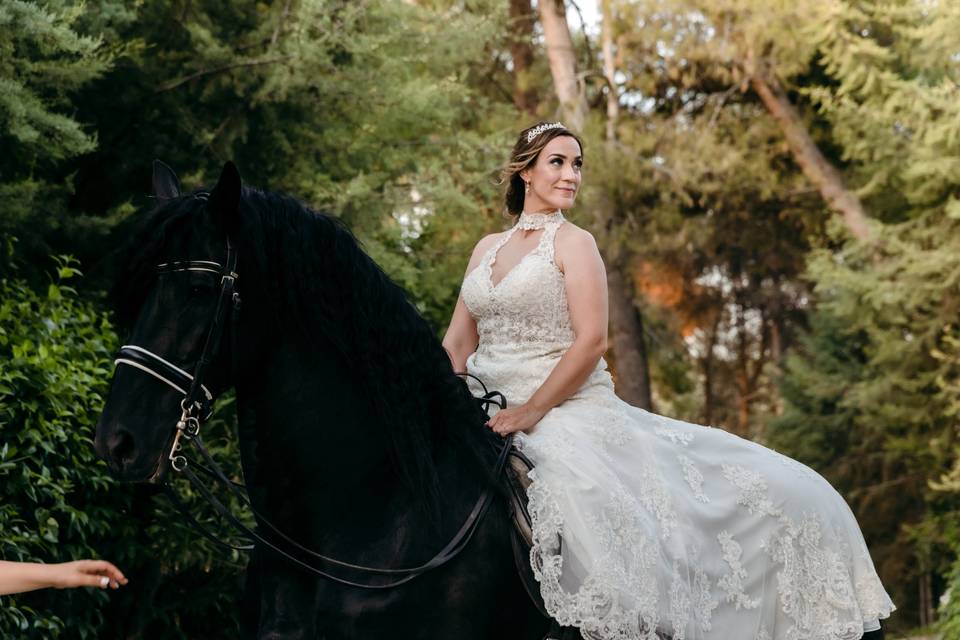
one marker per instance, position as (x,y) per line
(526,188)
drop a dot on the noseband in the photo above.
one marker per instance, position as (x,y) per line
(197,406)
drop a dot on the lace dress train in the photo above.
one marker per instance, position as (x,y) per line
(645,524)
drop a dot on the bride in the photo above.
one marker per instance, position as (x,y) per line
(642,524)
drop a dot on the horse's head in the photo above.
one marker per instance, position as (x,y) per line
(171,288)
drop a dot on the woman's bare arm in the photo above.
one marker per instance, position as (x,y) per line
(17,577)
(461,337)
(585,282)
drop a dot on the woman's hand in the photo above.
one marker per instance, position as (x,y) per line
(18,577)
(514,419)
(85,573)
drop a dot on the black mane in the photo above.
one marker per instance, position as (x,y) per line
(317,278)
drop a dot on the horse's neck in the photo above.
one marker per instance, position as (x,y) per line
(317,459)
(304,419)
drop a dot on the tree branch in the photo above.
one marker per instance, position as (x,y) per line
(173,84)
(583,25)
(807,154)
(283,18)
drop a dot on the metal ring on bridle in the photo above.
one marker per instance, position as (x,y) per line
(187,410)
(190,427)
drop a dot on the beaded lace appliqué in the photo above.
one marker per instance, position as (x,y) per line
(753,489)
(732,583)
(694,478)
(533,221)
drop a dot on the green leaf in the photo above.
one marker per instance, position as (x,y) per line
(52,530)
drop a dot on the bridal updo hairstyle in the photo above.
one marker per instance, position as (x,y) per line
(524,156)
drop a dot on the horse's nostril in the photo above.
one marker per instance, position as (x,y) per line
(122,449)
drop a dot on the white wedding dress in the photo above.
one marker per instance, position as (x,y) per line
(644,524)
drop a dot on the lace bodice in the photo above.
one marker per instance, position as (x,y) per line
(523,320)
(513,311)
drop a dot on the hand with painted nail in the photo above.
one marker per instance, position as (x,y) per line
(511,419)
(17,577)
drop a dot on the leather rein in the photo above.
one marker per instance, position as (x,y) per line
(197,406)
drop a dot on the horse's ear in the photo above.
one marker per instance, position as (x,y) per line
(166,184)
(224,201)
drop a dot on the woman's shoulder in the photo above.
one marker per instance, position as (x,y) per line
(481,248)
(575,244)
(573,237)
(486,242)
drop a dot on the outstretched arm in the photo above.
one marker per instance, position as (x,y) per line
(585,282)
(17,577)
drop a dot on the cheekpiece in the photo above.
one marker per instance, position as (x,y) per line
(537,130)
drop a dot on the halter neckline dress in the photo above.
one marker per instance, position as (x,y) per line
(646,525)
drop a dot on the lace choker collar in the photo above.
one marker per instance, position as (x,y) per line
(530,221)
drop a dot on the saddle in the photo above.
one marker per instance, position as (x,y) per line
(518,466)
(516,482)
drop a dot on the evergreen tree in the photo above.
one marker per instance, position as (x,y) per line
(47,54)
(371,111)
(885,93)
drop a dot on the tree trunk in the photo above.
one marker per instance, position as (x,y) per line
(927,617)
(629,345)
(776,340)
(609,72)
(633,373)
(522,19)
(742,375)
(821,173)
(707,366)
(563,62)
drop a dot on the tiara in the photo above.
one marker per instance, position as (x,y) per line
(540,128)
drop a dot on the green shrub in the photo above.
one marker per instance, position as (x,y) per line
(55,353)
(58,503)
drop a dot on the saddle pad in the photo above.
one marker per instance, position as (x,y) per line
(518,465)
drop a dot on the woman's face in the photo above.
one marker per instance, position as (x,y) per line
(554,178)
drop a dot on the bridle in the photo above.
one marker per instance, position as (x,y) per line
(197,402)
(197,406)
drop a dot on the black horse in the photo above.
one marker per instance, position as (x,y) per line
(357,439)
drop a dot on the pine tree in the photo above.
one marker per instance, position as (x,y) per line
(48,52)
(885,91)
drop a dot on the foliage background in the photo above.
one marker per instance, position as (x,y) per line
(761,313)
